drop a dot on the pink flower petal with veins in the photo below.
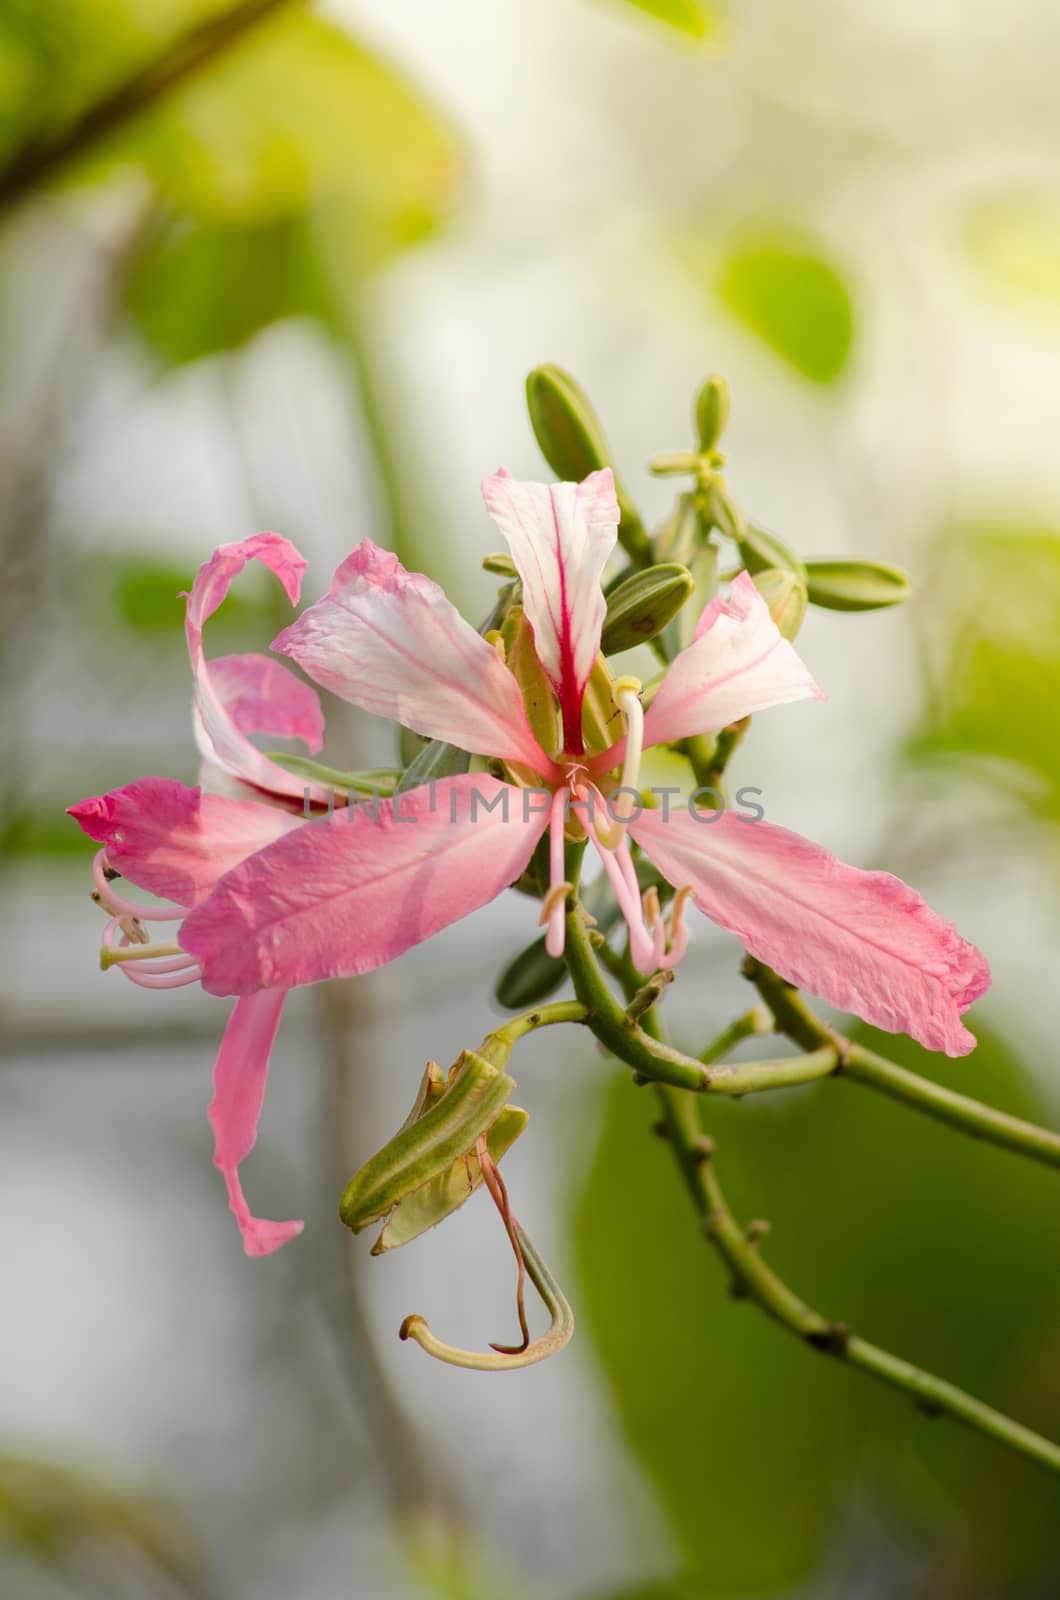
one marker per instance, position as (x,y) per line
(560,536)
(354,891)
(240,1077)
(222,739)
(389,641)
(738,664)
(175,841)
(263,696)
(864,941)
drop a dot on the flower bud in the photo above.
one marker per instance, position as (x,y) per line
(641,606)
(785,595)
(712,412)
(855,585)
(761,550)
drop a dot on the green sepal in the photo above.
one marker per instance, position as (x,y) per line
(712,412)
(435,760)
(441,1130)
(641,606)
(377,780)
(572,442)
(761,550)
(855,585)
(530,675)
(443,1195)
(602,723)
(785,595)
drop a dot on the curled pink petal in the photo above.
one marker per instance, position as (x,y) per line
(738,664)
(389,641)
(240,1077)
(560,536)
(864,941)
(263,696)
(355,890)
(222,740)
(175,841)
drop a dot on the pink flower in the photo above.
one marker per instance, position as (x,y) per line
(177,842)
(347,894)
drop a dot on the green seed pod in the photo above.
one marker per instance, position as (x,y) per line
(442,1128)
(712,412)
(785,595)
(855,585)
(761,550)
(443,1195)
(643,604)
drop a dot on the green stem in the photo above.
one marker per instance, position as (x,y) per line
(753,1279)
(46,153)
(795,1019)
(540,1017)
(752,1022)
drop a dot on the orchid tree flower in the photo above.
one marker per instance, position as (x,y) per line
(176,843)
(349,893)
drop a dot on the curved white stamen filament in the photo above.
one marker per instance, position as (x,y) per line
(164,966)
(554,911)
(115,903)
(627,696)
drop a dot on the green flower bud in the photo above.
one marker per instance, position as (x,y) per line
(785,595)
(641,606)
(761,550)
(855,585)
(712,412)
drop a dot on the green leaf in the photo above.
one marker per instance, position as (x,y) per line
(782,288)
(855,585)
(436,760)
(203,289)
(997,624)
(690,17)
(642,605)
(926,1242)
(299,113)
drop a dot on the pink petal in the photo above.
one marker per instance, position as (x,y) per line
(175,841)
(389,641)
(355,890)
(560,536)
(239,1078)
(864,941)
(263,696)
(221,738)
(739,663)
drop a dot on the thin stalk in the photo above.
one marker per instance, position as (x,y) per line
(795,1019)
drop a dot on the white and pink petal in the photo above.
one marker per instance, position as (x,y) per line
(352,892)
(864,941)
(390,642)
(560,536)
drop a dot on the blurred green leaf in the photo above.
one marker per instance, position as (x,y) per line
(930,1244)
(301,113)
(1014,242)
(995,698)
(46,1511)
(692,17)
(780,286)
(200,290)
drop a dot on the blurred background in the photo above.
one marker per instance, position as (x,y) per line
(276,265)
